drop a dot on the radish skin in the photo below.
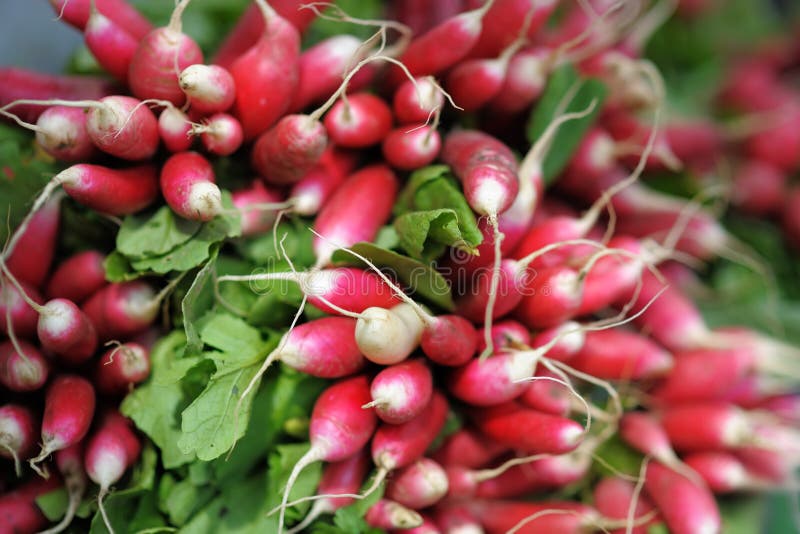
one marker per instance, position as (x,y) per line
(17,433)
(686,507)
(18,373)
(418,485)
(187,183)
(78,12)
(123,127)
(119,369)
(174,128)
(401,392)
(528,430)
(112,191)
(61,132)
(249,201)
(388,336)
(360,121)
(387,514)
(613,497)
(209,88)
(111,45)
(122,310)
(18,509)
(221,134)
(77,277)
(14,309)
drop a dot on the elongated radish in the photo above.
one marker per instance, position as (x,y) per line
(22,372)
(78,12)
(61,132)
(387,514)
(17,433)
(467,448)
(361,120)
(123,127)
(70,465)
(18,509)
(563,341)
(174,128)
(287,151)
(411,147)
(14,309)
(112,191)
(616,354)
(498,517)
(160,57)
(120,368)
(686,507)
(221,134)
(313,190)
(706,426)
(251,202)
(209,88)
(187,183)
(339,428)
(271,62)
(77,277)
(31,254)
(494,380)
(122,310)
(759,188)
(525,80)
(454,517)
(506,19)
(614,496)
(111,44)
(355,213)
(721,471)
(401,392)
(508,334)
(68,412)
(547,394)
(418,485)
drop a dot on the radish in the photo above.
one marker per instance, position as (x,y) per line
(78,12)
(780,144)
(68,412)
(70,464)
(415,101)
(418,485)
(317,185)
(467,448)
(22,369)
(388,336)
(30,251)
(498,517)
(174,129)
(221,134)
(564,341)
(17,433)
(61,132)
(359,121)
(526,76)
(615,354)
(386,514)
(759,188)
(686,507)
(107,458)
(121,368)
(251,202)
(355,213)
(271,62)
(411,147)
(160,57)
(548,395)
(338,478)
(617,498)
(426,527)
(121,310)
(209,88)
(77,277)
(707,426)
(18,509)
(339,429)
(453,517)
(187,183)
(111,44)
(722,472)
(401,392)
(508,334)
(112,191)
(507,19)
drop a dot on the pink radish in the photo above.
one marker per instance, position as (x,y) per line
(121,368)
(18,509)
(418,485)
(221,134)
(14,309)
(30,251)
(78,12)
(614,496)
(187,183)
(287,151)
(426,527)
(528,430)
(112,191)
(22,372)
(416,102)
(251,202)
(339,428)
(401,392)
(498,517)
(160,57)
(564,341)
(77,277)
(410,147)
(17,433)
(209,88)
(61,132)
(525,80)
(548,396)
(121,310)
(767,464)
(111,45)
(615,354)
(355,213)
(686,507)
(271,62)
(780,144)
(317,185)
(68,412)
(108,456)
(453,517)
(338,478)
(70,465)
(721,471)
(506,19)
(123,127)
(361,120)
(467,448)
(707,426)
(759,187)
(174,128)
(508,334)
(386,514)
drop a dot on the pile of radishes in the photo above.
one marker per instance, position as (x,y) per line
(568,330)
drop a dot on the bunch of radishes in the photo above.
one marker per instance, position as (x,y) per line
(568,331)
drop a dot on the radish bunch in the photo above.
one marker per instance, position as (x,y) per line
(375,169)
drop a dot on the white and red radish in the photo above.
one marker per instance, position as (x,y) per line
(209,88)
(467,448)
(500,516)
(124,309)
(30,250)
(187,183)
(174,129)
(77,277)
(121,368)
(388,335)
(617,498)
(61,132)
(253,202)
(616,354)
(415,102)
(68,411)
(410,147)
(388,514)
(78,12)
(419,485)
(722,472)
(18,509)
(507,19)
(321,182)
(707,426)
(359,121)
(25,371)
(123,127)
(111,44)
(221,134)
(685,506)
(17,433)
(401,392)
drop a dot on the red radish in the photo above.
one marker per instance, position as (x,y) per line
(339,428)
(546,393)
(221,134)
(525,517)
(123,127)
(401,392)
(416,102)
(61,132)
(316,187)
(410,147)
(721,471)
(772,465)
(780,144)
(121,310)
(78,12)
(209,88)
(111,45)
(686,507)
(14,309)
(707,426)
(454,517)
(388,336)
(448,339)
(784,406)
(112,191)
(252,202)
(22,372)
(359,121)
(121,368)
(426,527)
(355,213)
(17,433)
(16,84)
(508,334)
(494,380)
(271,62)
(77,277)
(68,412)
(161,55)
(507,19)
(30,253)
(614,497)
(187,183)
(467,448)
(174,128)
(386,514)
(443,46)
(338,478)
(108,456)
(525,80)
(418,485)
(287,151)
(563,341)
(759,187)
(616,354)
(70,464)
(18,509)
(553,297)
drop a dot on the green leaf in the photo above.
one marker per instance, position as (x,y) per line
(156,234)
(118,268)
(196,302)
(616,454)
(743,515)
(262,249)
(184,499)
(569,134)
(421,279)
(53,504)
(426,234)
(350,519)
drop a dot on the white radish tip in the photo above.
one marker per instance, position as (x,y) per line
(404,518)
(572,435)
(57,319)
(190,76)
(489,197)
(307,203)
(138,303)
(205,200)
(70,176)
